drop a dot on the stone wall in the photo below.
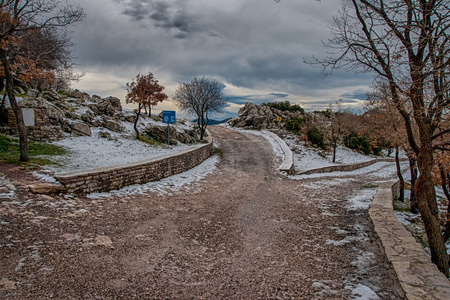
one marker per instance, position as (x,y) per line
(345,168)
(419,278)
(42,131)
(113,178)
(38,133)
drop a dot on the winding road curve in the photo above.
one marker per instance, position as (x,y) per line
(244,232)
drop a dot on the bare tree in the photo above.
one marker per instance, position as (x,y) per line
(406,43)
(201,97)
(336,127)
(17,18)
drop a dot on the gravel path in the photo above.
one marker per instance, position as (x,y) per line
(244,232)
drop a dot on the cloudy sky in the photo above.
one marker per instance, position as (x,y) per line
(255,47)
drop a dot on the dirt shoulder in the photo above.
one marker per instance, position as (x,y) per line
(244,232)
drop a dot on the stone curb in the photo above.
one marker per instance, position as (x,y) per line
(288,160)
(346,168)
(418,276)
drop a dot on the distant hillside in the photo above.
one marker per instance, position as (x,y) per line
(214,122)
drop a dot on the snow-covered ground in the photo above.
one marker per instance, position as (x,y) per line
(307,157)
(91,152)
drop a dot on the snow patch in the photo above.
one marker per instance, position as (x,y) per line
(362,200)
(166,186)
(44,177)
(363,292)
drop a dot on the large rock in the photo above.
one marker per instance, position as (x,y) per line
(55,114)
(51,96)
(90,118)
(32,93)
(159,133)
(188,137)
(77,94)
(46,188)
(112,125)
(109,106)
(80,129)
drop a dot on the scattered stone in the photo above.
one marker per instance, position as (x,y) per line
(7,285)
(105,135)
(103,240)
(46,188)
(70,236)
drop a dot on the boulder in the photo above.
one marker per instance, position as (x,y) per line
(77,94)
(106,135)
(90,118)
(55,114)
(189,137)
(32,93)
(114,102)
(159,133)
(112,125)
(46,188)
(80,129)
(51,96)
(30,102)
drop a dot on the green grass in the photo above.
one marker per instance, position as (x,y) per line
(401,206)
(10,151)
(149,141)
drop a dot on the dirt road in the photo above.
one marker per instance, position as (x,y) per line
(245,232)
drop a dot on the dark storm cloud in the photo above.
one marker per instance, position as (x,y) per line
(163,14)
(137,9)
(256,47)
(279,95)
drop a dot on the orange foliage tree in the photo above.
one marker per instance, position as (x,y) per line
(146,92)
(17,20)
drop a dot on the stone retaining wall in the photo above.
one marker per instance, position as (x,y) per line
(112,178)
(346,168)
(38,133)
(418,276)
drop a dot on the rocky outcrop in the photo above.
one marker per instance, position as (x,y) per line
(76,113)
(253,116)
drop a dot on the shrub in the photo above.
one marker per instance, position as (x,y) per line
(295,124)
(316,137)
(285,106)
(358,143)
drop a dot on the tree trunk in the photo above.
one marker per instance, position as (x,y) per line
(427,204)
(9,89)
(412,199)
(401,196)
(3,112)
(202,127)
(334,151)
(138,113)
(445,178)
